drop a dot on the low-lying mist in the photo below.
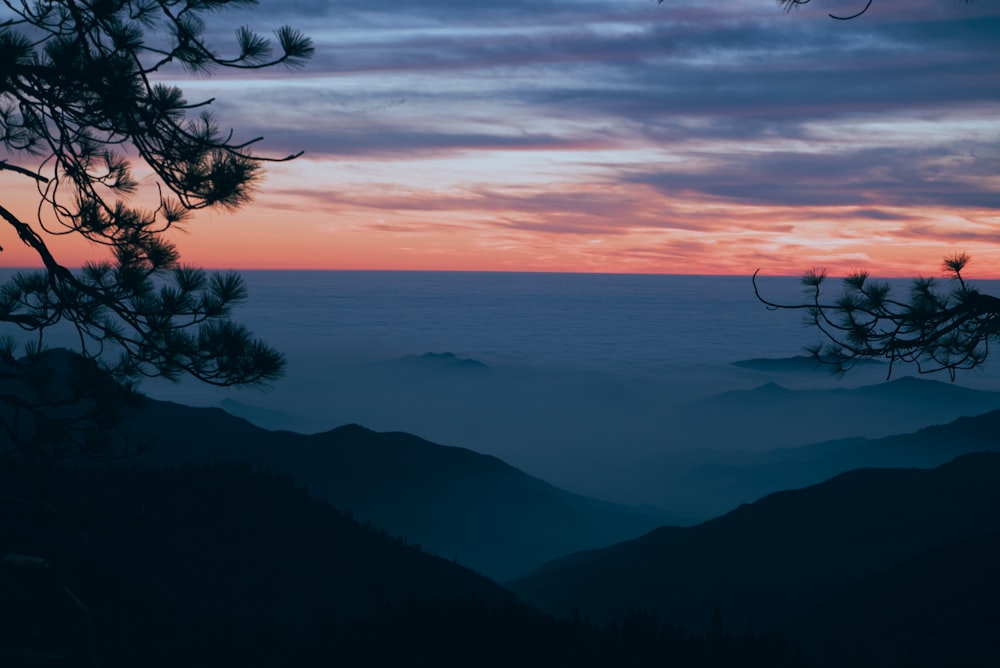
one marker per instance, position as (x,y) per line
(617,386)
(618,435)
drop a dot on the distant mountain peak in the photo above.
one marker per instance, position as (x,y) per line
(796,364)
(913,380)
(771,388)
(445,360)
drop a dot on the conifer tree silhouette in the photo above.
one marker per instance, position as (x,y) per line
(82,97)
(935,330)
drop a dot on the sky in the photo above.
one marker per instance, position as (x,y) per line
(688,137)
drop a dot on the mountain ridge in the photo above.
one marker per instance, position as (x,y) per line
(764,562)
(455,502)
(709,489)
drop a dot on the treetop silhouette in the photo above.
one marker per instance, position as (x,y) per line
(933,329)
(82,95)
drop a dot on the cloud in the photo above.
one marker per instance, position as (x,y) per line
(633,123)
(385,142)
(969,233)
(858,177)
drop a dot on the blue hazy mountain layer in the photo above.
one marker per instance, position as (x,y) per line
(575,378)
(456,503)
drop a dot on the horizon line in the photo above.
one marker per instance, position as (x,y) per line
(526,271)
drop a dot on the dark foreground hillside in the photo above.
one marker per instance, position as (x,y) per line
(218,562)
(896,563)
(938,608)
(219,566)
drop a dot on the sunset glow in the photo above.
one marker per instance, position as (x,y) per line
(610,136)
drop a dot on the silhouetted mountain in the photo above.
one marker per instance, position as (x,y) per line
(440,362)
(772,560)
(271,419)
(938,608)
(478,634)
(454,502)
(771,416)
(202,565)
(710,489)
(218,566)
(431,367)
